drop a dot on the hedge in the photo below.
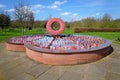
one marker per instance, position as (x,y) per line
(78,30)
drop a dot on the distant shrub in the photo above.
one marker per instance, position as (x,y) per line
(11,29)
(118,39)
(68,26)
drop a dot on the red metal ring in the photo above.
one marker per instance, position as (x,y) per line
(51,30)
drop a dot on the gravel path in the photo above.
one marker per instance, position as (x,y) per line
(17,66)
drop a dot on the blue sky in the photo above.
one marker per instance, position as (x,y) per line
(68,10)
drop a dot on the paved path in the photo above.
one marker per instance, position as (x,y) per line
(17,66)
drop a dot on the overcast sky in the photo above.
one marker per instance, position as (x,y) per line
(67,9)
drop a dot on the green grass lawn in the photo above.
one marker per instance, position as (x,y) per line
(17,32)
(107,35)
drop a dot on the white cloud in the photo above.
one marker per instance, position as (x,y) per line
(97,14)
(1,6)
(53,7)
(56,5)
(36,11)
(10,10)
(59,3)
(73,16)
(65,14)
(38,6)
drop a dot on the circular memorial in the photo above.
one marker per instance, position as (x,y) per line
(56,49)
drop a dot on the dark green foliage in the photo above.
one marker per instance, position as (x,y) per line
(44,25)
(4,21)
(118,39)
(68,26)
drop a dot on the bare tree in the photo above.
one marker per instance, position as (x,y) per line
(106,19)
(31,18)
(24,15)
(89,22)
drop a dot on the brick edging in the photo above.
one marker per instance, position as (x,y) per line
(62,59)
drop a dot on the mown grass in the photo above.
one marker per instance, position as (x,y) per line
(18,32)
(107,35)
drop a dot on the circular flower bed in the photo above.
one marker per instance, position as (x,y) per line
(17,43)
(68,43)
(67,49)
